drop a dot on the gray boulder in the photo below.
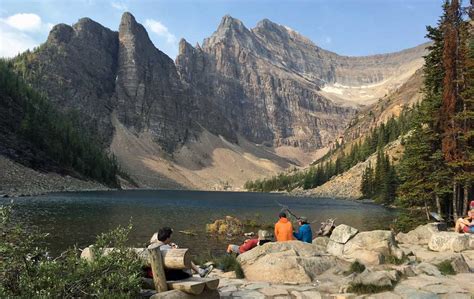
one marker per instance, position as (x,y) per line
(378,278)
(342,233)
(448,241)
(283,262)
(370,247)
(419,236)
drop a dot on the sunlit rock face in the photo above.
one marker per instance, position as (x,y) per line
(268,84)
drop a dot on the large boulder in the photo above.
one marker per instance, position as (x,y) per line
(283,262)
(420,235)
(448,241)
(369,248)
(342,233)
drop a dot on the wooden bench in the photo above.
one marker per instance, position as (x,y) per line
(176,259)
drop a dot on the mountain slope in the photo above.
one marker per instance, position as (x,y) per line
(253,99)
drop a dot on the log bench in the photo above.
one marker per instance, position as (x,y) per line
(177,259)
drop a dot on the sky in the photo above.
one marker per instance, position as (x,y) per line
(347,27)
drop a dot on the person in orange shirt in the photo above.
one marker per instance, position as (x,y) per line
(283,229)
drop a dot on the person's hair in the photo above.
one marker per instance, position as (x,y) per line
(164,233)
(282,214)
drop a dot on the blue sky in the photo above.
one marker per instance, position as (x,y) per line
(347,27)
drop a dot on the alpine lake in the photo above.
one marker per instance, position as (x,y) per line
(76,218)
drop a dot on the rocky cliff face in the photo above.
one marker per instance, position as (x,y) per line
(240,73)
(268,85)
(276,87)
(148,90)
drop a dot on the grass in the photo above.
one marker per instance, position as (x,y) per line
(360,288)
(355,267)
(390,259)
(230,263)
(446,268)
(226,263)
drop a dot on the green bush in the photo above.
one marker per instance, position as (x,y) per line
(360,288)
(408,220)
(446,268)
(230,263)
(355,267)
(27,271)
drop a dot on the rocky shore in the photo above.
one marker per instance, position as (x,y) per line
(18,180)
(424,263)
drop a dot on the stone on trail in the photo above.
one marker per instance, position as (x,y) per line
(449,241)
(282,262)
(377,278)
(428,269)
(459,265)
(420,235)
(342,233)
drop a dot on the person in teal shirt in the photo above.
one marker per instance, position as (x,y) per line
(304,232)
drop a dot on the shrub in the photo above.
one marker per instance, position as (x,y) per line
(360,288)
(446,268)
(230,263)
(355,267)
(28,271)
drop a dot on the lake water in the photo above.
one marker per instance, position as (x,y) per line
(77,217)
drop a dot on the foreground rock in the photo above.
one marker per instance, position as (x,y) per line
(369,248)
(420,235)
(292,261)
(449,241)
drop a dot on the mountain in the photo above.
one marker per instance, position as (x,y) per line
(245,104)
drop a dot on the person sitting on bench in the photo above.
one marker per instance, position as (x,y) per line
(163,237)
(466,225)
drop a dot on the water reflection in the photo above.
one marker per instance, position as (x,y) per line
(76,218)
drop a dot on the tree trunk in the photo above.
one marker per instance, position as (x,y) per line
(438,205)
(426,211)
(465,202)
(455,201)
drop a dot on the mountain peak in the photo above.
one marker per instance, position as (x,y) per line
(228,22)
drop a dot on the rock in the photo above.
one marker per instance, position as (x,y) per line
(335,248)
(342,233)
(378,278)
(321,241)
(282,262)
(343,296)
(367,247)
(419,236)
(405,270)
(305,295)
(175,294)
(384,295)
(448,241)
(248,294)
(428,269)
(459,265)
(227,226)
(272,292)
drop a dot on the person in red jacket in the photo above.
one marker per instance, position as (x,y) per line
(263,237)
(283,229)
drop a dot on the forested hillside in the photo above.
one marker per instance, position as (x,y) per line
(436,169)
(35,134)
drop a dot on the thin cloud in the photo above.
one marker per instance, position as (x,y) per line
(327,40)
(20,32)
(13,42)
(161,30)
(119,5)
(24,21)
